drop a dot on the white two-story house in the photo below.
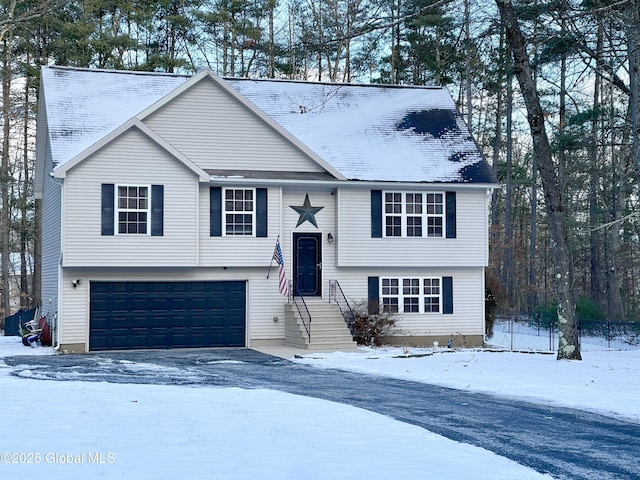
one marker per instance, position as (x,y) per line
(164,196)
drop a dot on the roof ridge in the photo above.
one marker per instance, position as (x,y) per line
(335,84)
(124,72)
(265,80)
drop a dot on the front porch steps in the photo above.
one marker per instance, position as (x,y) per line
(328,328)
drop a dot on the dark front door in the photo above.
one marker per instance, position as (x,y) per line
(307,263)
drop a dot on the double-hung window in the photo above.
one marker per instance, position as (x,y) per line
(133,209)
(415,208)
(390,295)
(431,295)
(393,214)
(411,295)
(435,214)
(414,214)
(239,211)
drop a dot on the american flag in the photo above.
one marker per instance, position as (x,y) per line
(277,256)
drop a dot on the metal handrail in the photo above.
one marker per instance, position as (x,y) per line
(337,295)
(306,319)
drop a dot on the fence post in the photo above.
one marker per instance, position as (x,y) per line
(511,333)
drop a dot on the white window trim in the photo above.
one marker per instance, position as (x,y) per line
(404,215)
(421,296)
(117,209)
(224,212)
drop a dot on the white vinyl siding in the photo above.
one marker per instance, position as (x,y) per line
(356,247)
(51,238)
(326,221)
(43,155)
(237,250)
(211,128)
(468,298)
(74,310)
(131,159)
(248,251)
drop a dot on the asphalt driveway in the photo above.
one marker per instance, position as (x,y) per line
(565,443)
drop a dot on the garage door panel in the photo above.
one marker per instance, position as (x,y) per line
(127,315)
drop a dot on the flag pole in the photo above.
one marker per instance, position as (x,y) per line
(275,247)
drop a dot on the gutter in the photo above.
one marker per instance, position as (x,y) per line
(238,179)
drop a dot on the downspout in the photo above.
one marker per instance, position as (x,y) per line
(483,292)
(197,232)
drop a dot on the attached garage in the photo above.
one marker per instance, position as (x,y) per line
(132,315)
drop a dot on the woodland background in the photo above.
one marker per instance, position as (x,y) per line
(584,57)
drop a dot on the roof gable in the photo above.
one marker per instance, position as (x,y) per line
(211,123)
(61,172)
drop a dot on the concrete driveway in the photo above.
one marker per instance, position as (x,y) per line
(565,443)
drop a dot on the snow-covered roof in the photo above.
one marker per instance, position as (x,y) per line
(380,133)
(366,132)
(85,105)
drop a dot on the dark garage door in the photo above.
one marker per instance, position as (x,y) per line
(128,315)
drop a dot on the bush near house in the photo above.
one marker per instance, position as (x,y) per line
(490,304)
(371,328)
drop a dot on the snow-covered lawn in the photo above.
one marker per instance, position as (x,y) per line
(89,430)
(607,380)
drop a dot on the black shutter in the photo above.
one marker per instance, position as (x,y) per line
(376,213)
(157,210)
(261,212)
(447,295)
(108,202)
(215,212)
(374,295)
(451,214)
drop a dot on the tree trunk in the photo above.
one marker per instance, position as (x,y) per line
(272,42)
(497,140)
(508,277)
(533,239)
(467,65)
(569,346)
(5,180)
(632,28)
(24,203)
(595,239)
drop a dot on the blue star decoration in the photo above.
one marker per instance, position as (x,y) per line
(307,212)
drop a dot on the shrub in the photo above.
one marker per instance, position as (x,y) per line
(586,309)
(370,328)
(490,305)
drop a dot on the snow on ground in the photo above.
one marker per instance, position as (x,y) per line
(607,380)
(91,430)
(78,429)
